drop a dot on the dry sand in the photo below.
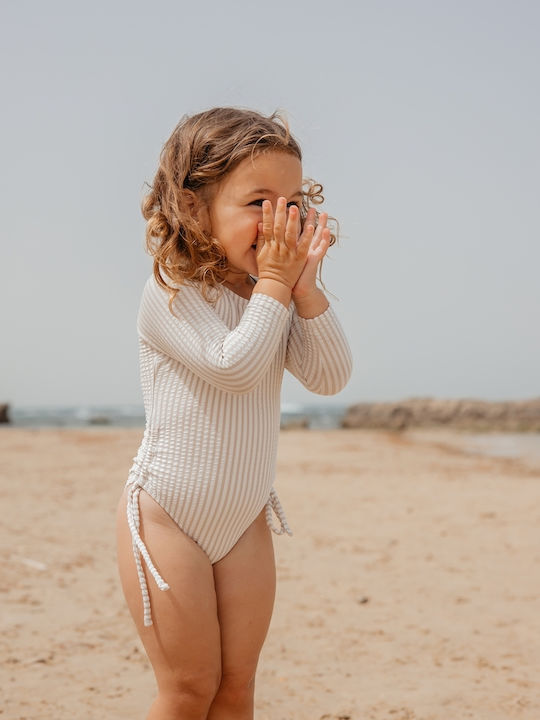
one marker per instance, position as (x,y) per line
(411,588)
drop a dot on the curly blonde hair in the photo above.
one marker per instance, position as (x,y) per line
(200,152)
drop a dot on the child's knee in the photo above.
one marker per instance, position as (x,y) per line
(193,693)
(236,689)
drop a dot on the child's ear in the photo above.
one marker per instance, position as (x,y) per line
(198,209)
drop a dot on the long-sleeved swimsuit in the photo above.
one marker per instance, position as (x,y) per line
(211,377)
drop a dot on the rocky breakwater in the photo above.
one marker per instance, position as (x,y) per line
(464,414)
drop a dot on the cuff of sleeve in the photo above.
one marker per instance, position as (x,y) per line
(321,325)
(261,300)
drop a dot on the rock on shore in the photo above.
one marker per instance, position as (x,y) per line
(4,413)
(466,414)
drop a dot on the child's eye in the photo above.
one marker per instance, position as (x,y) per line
(260,201)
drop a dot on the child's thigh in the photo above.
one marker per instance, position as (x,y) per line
(245,581)
(183,643)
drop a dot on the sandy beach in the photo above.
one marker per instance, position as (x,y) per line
(410,590)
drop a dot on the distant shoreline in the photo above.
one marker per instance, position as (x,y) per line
(313,417)
(458,414)
(467,414)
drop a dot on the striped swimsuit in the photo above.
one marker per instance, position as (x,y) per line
(211,378)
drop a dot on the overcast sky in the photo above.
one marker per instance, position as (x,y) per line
(420,118)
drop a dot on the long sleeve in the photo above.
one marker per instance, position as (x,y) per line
(318,353)
(231,360)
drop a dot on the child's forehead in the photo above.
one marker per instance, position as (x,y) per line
(269,170)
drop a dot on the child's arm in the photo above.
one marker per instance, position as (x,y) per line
(317,351)
(232,360)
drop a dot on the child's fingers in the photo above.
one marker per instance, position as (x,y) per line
(292,228)
(309,274)
(323,218)
(311,217)
(305,241)
(316,254)
(324,244)
(260,237)
(267,221)
(309,232)
(309,220)
(280,219)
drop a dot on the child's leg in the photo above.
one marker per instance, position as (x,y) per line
(245,586)
(184,643)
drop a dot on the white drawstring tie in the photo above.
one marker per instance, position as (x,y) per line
(274,504)
(139,548)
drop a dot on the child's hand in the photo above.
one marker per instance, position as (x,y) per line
(319,244)
(281,250)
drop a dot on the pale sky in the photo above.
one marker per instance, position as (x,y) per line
(420,119)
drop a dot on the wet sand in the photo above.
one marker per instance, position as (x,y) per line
(410,590)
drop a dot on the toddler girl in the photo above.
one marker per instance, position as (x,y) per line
(232,301)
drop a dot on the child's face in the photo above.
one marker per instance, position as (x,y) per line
(236,206)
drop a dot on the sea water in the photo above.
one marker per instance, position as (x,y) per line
(315,416)
(522,446)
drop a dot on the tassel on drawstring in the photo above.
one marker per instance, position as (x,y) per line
(274,504)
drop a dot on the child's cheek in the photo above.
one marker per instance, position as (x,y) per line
(253,226)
